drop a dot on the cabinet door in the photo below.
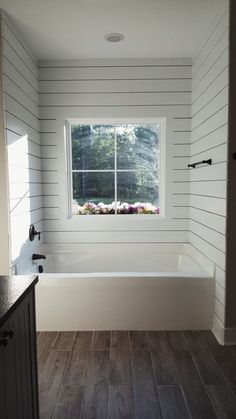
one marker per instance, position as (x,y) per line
(9,376)
(3,413)
(22,322)
(18,369)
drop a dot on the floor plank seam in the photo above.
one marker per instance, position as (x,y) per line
(73,344)
(199,372)
(154,375)
(91,345)
(55,341)
(109,377)
(85,382)
(61,386)
(132,377)
(60,389)
(220,368)
(178,378)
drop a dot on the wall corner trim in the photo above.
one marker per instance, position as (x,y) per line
(225,336)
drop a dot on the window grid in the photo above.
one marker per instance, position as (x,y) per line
(115,165)
(115,170)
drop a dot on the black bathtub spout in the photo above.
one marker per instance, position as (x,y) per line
(38,257)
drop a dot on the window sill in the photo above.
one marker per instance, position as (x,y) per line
(116,217)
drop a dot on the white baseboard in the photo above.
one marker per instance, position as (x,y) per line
(225,336)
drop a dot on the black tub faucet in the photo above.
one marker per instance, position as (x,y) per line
(38,257)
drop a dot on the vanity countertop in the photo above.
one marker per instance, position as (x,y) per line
(12,291)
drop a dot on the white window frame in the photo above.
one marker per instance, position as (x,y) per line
(113,121)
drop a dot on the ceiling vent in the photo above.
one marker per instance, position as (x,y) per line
(114,37)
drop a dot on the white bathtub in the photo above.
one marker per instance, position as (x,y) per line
(123,290)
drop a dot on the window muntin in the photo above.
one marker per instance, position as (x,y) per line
(115,168)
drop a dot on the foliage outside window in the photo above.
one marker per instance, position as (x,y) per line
(115,168)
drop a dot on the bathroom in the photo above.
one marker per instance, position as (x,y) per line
(116,180)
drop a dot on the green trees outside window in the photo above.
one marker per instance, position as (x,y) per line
(115,168)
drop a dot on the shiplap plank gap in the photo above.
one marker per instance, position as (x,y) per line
(209,37)
(116,62)
(202,253)
(199,81)
(35,129)
(20,135)
(205,195)
(119,93)
(215,113)
(115,106)
(14,32)
(119,66)
(210,84)
(208,149)
(22,75)
(197,69)
(210,100)
(117,79)
(20,57)
(210,132)
(210,212)
(20,88)
(21,104)
(200,237)
(198,180)
(205,225)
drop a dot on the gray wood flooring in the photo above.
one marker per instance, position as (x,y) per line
(139,375)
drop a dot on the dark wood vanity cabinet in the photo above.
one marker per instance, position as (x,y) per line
(18,367)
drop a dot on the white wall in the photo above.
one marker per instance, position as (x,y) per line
(4,210)
(115,89)
(21,111)
(209,139)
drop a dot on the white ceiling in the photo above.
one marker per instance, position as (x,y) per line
(71,29)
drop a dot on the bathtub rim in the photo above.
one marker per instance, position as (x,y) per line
(181,248)
(121,275)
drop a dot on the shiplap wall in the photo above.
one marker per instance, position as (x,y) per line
(4,203)
(209,139)
(116,89)
(21,108)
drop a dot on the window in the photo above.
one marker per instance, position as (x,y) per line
(114,168)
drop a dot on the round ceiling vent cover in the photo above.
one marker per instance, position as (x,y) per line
(114,37)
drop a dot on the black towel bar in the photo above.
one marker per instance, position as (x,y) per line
(193,165)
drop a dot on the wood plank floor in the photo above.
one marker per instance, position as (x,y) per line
(135,375)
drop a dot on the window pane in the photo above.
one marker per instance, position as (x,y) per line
(133,187)
(138,146)
(92,147)
(93,188)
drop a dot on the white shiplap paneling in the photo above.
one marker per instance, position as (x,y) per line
(21,98)
(108,88)
(209,139)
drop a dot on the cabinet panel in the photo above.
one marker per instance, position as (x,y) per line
(33,356)
(20,323)
(9,374)
(19,380)
(3,413)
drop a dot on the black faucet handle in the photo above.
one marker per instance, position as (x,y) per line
(33,232)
